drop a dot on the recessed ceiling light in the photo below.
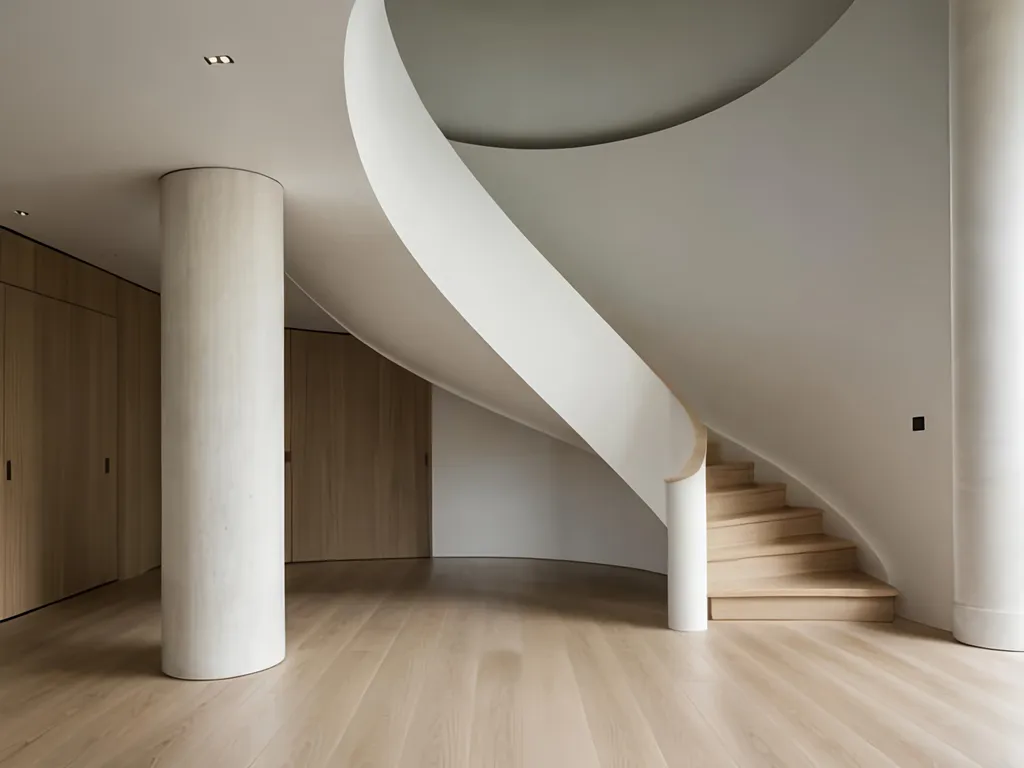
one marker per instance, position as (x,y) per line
(21,213)
(219,60)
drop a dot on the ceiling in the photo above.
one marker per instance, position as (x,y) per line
(111,94)
(98,99)
(537,73)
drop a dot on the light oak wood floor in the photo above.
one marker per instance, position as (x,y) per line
(501,662)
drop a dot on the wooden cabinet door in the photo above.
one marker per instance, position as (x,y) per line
(287,448)
(138,424)
(359,443)
(37,488)
(59,426)
(149,428)
(403,526)
(90,526)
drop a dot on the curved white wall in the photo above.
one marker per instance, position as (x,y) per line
(786,259)
(501,489)
(504,288)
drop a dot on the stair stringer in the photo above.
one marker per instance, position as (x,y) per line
(501,284)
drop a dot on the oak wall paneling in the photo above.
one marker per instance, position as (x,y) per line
(6,526)
(37,339)
(149,425)
(287,449)
(82,359)
(138,426)
(17,260)
(58,517)
(359,447)
(34,267)
(129,503)
(90,531)
(357,435)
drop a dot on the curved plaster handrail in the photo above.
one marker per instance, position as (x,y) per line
(522,307)
(497,279)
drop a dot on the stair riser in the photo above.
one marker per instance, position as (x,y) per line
(754,533)
(803,608)
(720,478)
(782,565)
(738,504)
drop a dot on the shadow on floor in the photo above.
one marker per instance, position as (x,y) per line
(572,590)
(57,638)
(108,660)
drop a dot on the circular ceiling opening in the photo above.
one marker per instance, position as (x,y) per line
(550,73)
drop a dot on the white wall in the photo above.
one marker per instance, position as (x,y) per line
(784,264)
(504,490)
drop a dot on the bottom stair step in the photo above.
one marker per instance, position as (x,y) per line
(803,608)
(836,596)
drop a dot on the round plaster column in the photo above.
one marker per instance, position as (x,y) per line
(987,182)
(222,346)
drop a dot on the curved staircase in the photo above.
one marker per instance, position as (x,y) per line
(767,560)
(761,558)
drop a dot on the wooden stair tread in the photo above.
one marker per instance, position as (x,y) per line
(814,542)
(768,561)
(823,584)
(748,490)
(763,516)
(731,465)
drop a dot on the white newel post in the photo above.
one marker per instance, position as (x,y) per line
(688,553)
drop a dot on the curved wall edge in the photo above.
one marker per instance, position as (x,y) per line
(666,117)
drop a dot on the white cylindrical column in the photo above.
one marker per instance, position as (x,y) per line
(222,336)
(987,179)
(687,521)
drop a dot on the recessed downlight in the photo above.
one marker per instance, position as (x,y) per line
(20,212)
(219,60)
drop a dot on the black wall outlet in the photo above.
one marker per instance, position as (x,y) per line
(917,423)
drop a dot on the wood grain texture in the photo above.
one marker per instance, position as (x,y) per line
(360,436)
(501,662)
(758,527)
(90,526)
(148,461)
(129,502)
(287,447)
(17,260)
(35,267)
(734,474)
(803,608)
(59,510)
(4,529)
(37,368)
(724,573)
(138,420)
(738,501)
(767,561)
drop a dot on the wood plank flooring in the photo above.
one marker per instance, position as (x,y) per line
(484,663)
